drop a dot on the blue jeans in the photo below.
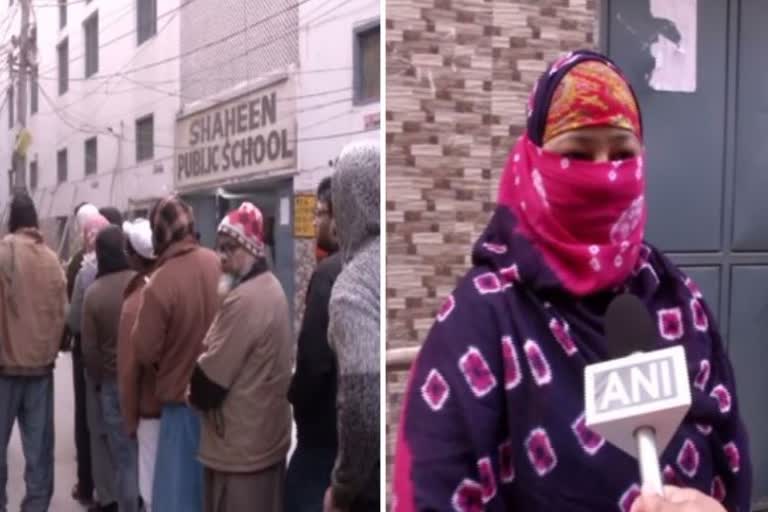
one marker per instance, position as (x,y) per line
(178,483)
(30,400)
(124,450)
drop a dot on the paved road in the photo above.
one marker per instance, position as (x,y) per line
(65,448)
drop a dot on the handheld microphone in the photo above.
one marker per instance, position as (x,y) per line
(637,399)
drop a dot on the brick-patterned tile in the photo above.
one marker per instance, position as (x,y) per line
(458,77)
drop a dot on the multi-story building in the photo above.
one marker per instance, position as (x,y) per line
(102,99)
(267,104)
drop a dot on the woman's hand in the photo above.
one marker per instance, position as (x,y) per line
(676,499)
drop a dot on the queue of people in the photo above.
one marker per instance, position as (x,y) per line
(183,357)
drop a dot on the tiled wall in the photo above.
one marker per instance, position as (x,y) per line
(458,77)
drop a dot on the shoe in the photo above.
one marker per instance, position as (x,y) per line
(80,496)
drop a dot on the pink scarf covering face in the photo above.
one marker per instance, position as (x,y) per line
(586,218)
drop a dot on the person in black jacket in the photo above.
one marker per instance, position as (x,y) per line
(313,389)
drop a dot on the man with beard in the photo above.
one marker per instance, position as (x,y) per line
(33,302)
(177,307)
(240,382)
(353,331)
(313,389)
(101,317)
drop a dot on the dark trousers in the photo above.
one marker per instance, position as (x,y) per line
(309,475)
(82,435)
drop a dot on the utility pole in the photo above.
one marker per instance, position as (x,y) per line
(21,93)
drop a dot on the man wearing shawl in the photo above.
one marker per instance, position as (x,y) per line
(493,418)
(177,307)
(101,315)
(353,330)
(33,302)
(241,381)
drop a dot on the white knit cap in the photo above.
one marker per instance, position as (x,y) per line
(84,213)
(139,234)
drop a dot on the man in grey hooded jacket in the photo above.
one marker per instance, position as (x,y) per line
(353,331)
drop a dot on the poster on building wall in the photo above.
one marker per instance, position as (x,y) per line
(304,215)
(674,50)
(251,135)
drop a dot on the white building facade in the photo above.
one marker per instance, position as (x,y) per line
(102,108)
(278,89)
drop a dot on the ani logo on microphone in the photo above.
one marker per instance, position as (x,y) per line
(636,384)
(649,389)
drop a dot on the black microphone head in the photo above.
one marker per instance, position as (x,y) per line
(629,327)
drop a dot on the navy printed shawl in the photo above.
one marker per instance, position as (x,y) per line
(493,418)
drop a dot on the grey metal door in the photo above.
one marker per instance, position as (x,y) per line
(708,175)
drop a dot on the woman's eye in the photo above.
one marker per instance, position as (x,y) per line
(622,155)
(577,155)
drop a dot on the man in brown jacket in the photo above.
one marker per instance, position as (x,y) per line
(33,302)
(240,383)
(177,307)
(138,400)
(101,317)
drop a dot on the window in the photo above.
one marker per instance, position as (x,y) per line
(146,19)
(91,29)
(145,138)
(61,165)
(33,174)
(63,52)
(63,237)
(33,91)
(11,120)
(91,156)
(367,58)
(62,13)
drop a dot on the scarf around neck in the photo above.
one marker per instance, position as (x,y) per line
(493,415)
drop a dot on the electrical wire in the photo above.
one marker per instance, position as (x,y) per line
(105,130)
(291,32)
(206,46)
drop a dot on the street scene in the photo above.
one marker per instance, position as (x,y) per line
(190,256)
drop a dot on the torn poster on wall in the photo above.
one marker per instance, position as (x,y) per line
(675,50)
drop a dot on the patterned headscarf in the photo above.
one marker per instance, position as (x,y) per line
(171,220)
(493,417)
(592,93)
